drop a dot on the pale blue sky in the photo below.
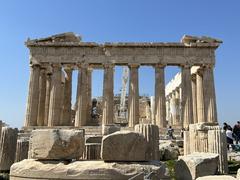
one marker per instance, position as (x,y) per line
(114,21)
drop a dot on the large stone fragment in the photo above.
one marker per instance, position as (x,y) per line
(196,165)
(22,149)
(56,144)
(124,146)
(95,170)
(151,134)
(110,128)
(7,147)
(217,177)
(168,151)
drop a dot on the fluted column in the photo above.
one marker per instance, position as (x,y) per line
(187,108)
(108,95)
(177,104)
(133,97)
(22,149)
(42,97)
(200,98)
(168,109)
(7,147)
(160,100)
(67,111)
(194,99)
(89,95)
(47,100)
(81,111)
(173,108)
(209,95)
(33,96)
(78,89)
(55,107)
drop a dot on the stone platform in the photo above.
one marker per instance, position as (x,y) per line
(94,170)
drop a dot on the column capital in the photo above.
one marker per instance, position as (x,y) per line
(208,66)
(133,65)
(56,65)
(68,67)
(186,66)
(34,65)
(160,65)
(82,65)
(108,65)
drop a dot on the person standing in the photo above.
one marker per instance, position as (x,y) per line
(229,135)
(170,132)
(236,131)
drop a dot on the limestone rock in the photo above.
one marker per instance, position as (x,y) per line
(7,147)
(56,144)
(124,146)
(238,174)
(110,128)
(33,169)
(216,177)
(196,165)
(168,151)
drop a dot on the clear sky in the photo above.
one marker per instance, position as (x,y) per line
(115,21)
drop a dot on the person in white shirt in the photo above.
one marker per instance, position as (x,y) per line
(230,138)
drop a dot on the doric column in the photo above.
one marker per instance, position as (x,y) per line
(194,99)
(67,110)
(47,100)
(173,108)
(55,97)
(187,108)
(78,89)
(108,95)
(209,95)
(89,94)
(8,144)
(200,97)
(42,97)
(81,111)
(167,109)
(22,149)
(133,97)
(33,96)
(177,105)
(160,100)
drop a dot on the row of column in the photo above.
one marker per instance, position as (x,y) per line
(49,97)
(49,100)
(194,101)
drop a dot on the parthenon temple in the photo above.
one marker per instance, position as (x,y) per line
(136,145)
(53,59)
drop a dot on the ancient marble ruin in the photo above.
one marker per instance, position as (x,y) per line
(61,140)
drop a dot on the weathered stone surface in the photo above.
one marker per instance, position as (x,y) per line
(22,149)
(168,151)
(151,134)
(95,170)
(124,146)
(238,174)
(7,147)
(56,144)
(92,151)
(110,128)
(93,139)
(196,165)
(217,177)
(217,143)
